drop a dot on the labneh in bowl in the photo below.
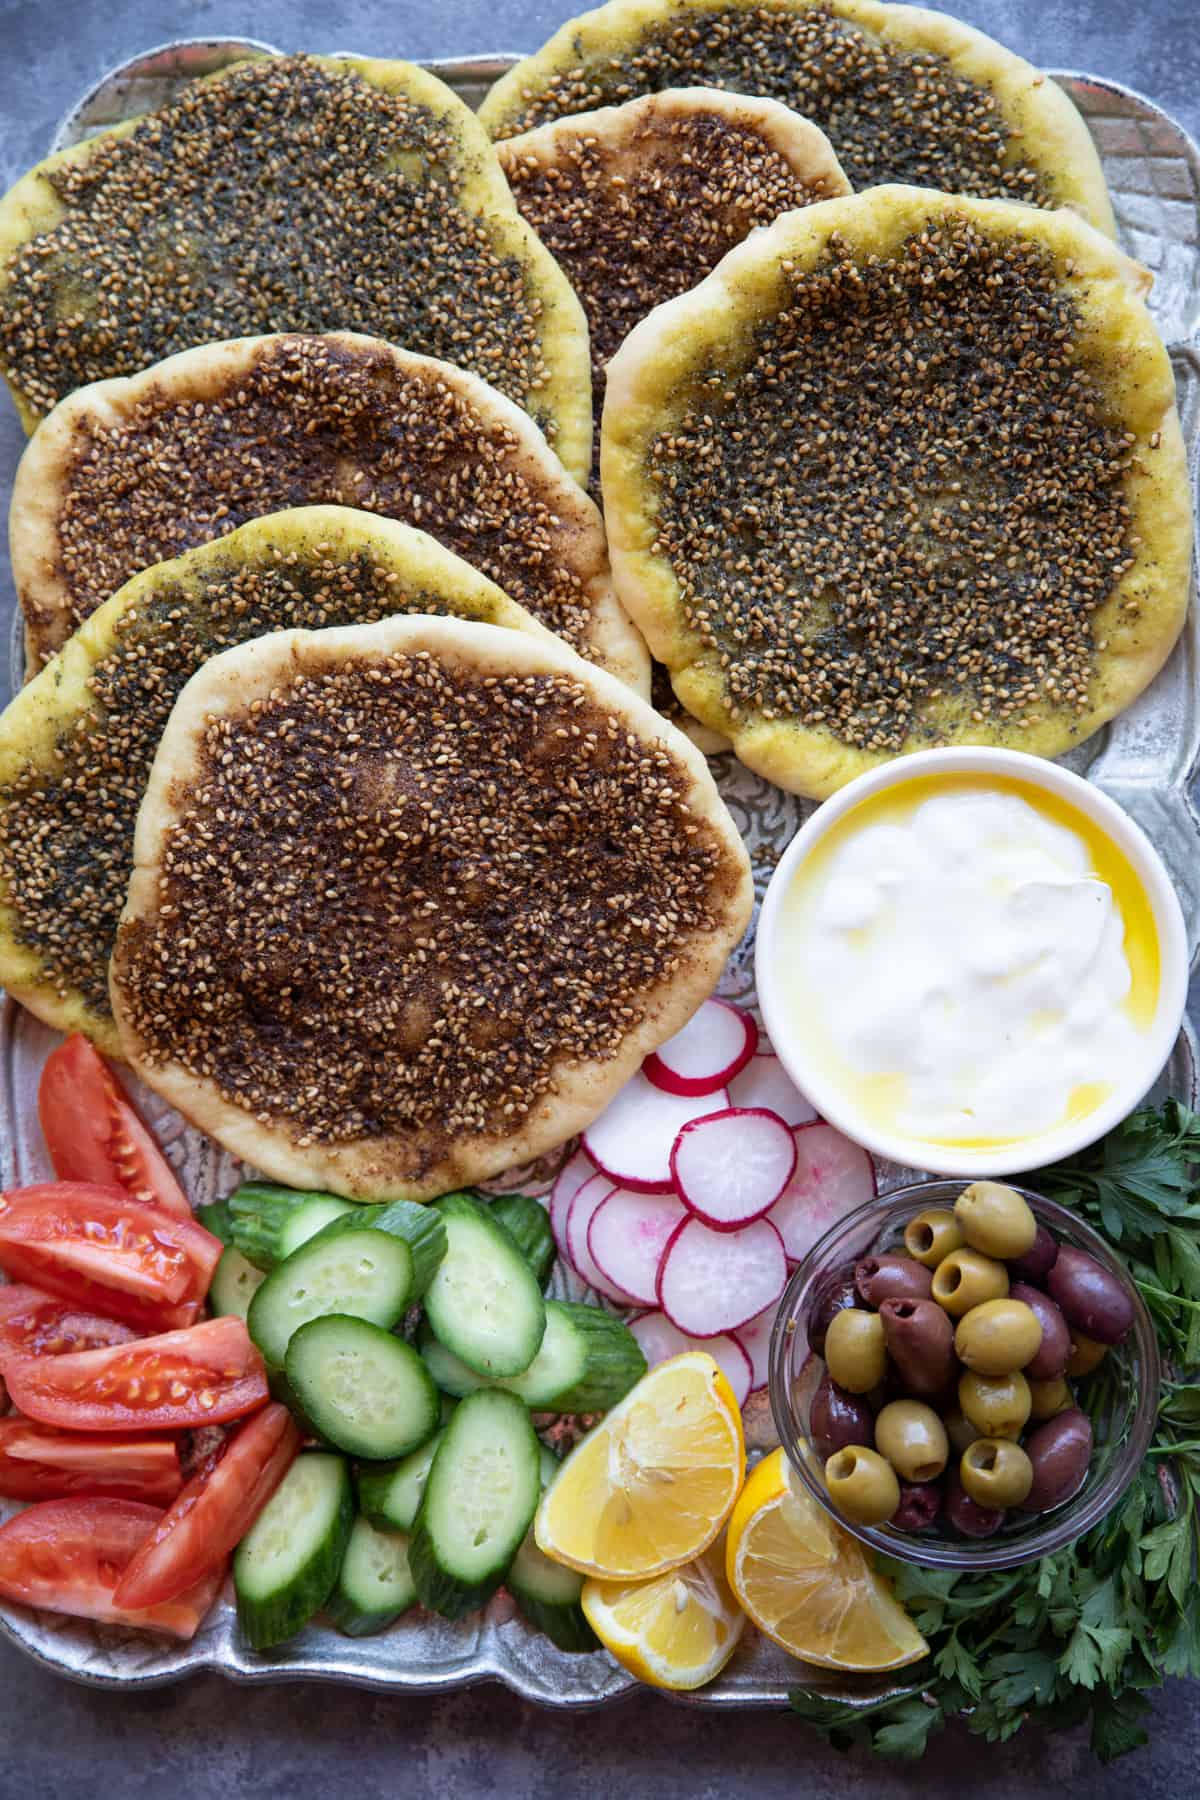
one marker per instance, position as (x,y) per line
(811,949)
(1123,1405)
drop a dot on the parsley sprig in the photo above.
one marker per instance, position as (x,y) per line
(1085,1634)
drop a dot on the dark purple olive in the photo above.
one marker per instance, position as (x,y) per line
(1090,1296)
(1037,1261)
(1060,1451)
(966,1515)
(1054,1350)
(920,1504)
(880,1278)
(832,1294)
(836,1419)
(920,1341)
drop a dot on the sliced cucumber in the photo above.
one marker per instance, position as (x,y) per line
(217,1218)
(528,1225)
(390,1495)
(234,1284)
(370,1263)
(449,1371)
(548,1596)
(269,1222)
(548,1464)
(484,1303)
(479,1502)
(285,1566)
(374,1585)
(588,1360)
(361,1388)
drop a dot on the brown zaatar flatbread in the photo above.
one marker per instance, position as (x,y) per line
(134,471)
(905,470)
(411,901)
(288,194)
(902,93)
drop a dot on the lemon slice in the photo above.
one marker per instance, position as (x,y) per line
(652,1485)
(678,1630)
(807,1584)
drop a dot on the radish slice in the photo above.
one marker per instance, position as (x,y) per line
(731,1167)
(627,1236)
(570,1178)
(633,1137)
(661,1340)
(832,1177)
(755,1339)
(579,1218)
(716,1042)
(764,1082)
(713,1281)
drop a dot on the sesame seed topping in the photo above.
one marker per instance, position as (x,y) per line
(401,893)
(286,195)
(906,505)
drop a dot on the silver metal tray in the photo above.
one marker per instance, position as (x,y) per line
(1147,760)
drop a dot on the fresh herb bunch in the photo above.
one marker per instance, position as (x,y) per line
(1082,1635)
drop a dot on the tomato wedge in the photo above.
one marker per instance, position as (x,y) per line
(94,1132)
(39,1463)
(36,1324)
(207,1375)
(214,1512)
(108,1252)
(68,1555)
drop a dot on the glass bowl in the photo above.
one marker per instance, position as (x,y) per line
(1123,1422)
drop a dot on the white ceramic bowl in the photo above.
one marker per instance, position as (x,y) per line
(832,1100)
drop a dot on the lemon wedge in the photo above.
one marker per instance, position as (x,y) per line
(651,1486)
(676,1631)
(807,1584)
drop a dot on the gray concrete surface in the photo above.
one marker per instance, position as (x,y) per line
(209,1740)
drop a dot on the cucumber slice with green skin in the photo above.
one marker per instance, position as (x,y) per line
(217,1218)
(527,1224)
(450,1372)
(285,1566)
(370,1263)
(375,1584)
(269,1222)
(548,1464)
(479,1502)
(362,1389)
(587,1362)
(548,1596)
(234,1284)
(390,1496)
(484,1303)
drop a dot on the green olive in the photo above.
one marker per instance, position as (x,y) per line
(1047,1398)
(932,1235)
(996,1472)
(998,1337)
(995,1406)
(959,1430)
(913,1439)
(862,1484)
(995,1219)
(856,1350)
(1086,1354)
(965,1279)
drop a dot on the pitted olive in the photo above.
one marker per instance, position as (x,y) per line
(913,1439)
(855,1350)
(997,1406)
(995,1219)
(932,1235)
(862,1484)
(965,1279)
(998,1337)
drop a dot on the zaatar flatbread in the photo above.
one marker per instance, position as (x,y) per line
(411,902)
(905,470)
(77,743)
(136,470)
(902,93)
(288,194)
(637,203)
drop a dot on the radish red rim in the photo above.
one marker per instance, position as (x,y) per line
(727,1059)
(717,1177)
(721,1287)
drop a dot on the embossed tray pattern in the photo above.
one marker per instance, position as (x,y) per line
(1146,760)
